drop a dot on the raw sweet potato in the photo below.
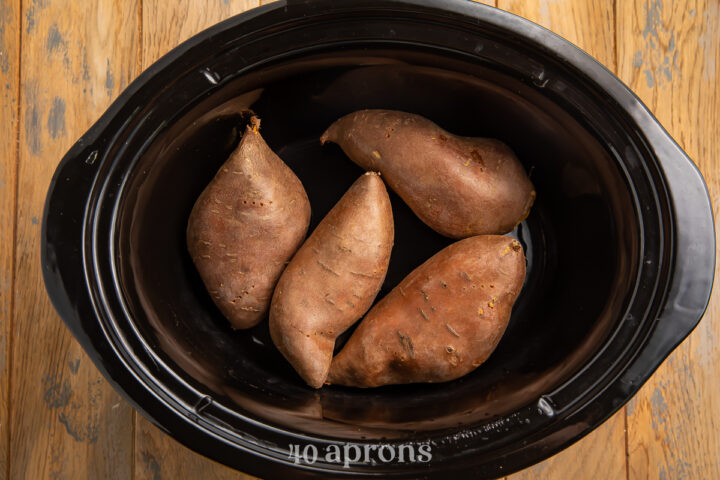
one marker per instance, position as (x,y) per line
(333,279)
(441,322)
(245,227)
(458,186)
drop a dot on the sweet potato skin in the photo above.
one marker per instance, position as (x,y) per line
(333,279)
(441,322)
(245,227)
(458,186)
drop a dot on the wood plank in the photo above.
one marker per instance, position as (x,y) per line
(66,421)
(165,25)
(589,25)
(600,455)
(9,69)
(670,56)
(157,456)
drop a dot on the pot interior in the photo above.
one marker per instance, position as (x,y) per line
(580,240)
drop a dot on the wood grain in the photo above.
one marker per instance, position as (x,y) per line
(66,421)
(58,417)
(600,455)
(670,56)
(165,25)
(589,25)
(158,456)
(9,69)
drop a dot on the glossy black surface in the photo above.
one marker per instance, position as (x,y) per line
(615,279)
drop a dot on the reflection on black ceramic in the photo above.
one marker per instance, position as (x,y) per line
(614,280)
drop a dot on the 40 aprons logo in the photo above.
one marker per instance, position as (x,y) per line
(349,453)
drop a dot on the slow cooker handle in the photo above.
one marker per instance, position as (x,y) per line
(62,247)
(693,259)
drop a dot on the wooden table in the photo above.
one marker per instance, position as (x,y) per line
(63,62)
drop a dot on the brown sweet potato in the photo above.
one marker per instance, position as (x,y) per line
(441,322)
(244,228)
(333,279)
(458,186)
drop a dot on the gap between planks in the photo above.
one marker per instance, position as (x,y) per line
(13,260)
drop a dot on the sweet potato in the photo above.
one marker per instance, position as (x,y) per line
(245,227)
(458,186)
(441,322)
(333,279)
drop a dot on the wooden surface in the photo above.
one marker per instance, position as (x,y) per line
(62,63)
(9,52)
(65,420)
